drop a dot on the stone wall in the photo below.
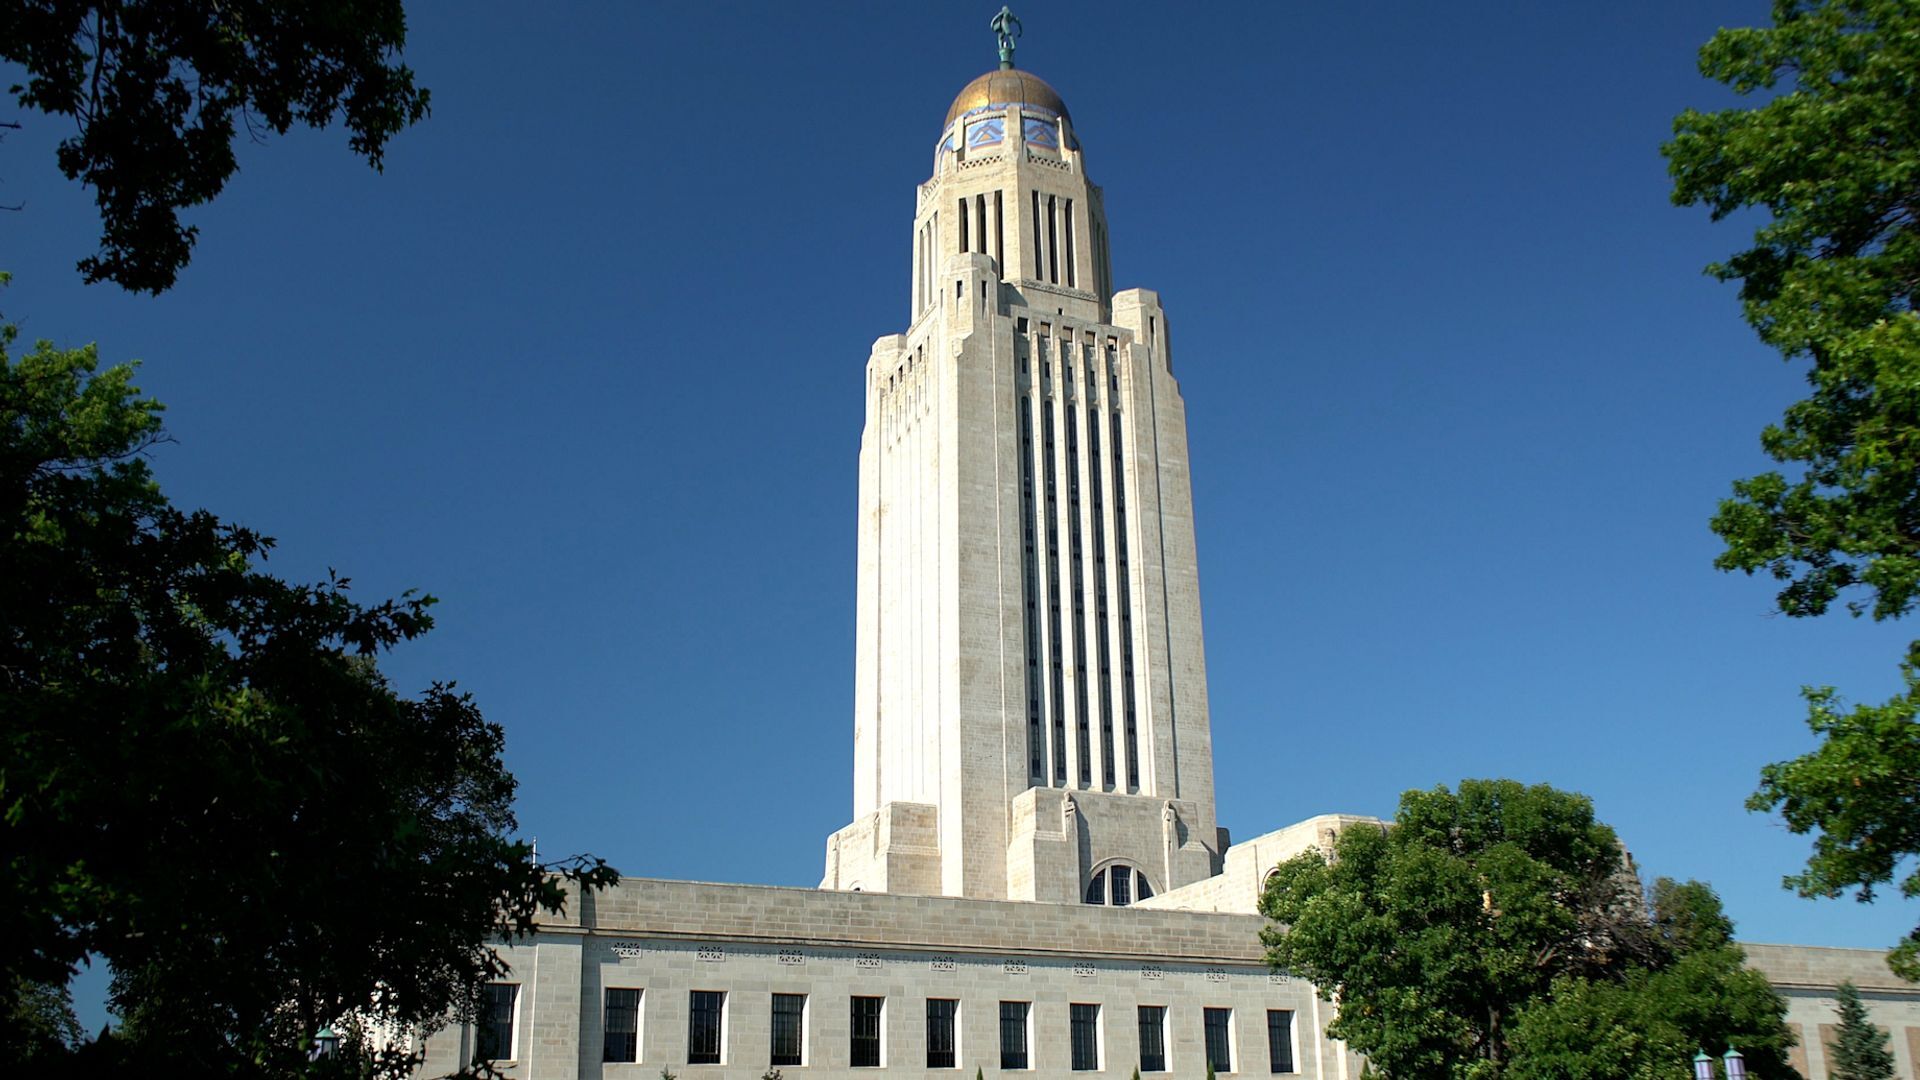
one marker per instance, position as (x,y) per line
(668,939)
(1807,977)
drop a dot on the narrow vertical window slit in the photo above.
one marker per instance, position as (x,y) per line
(1039,268)
(1083,741)
(1122,577)
(1053,235)
(1068,225)
(1036,764)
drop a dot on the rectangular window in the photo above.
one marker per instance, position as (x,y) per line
(1039,268)
(999,238)
(1153,1038)
(621,1040)
(1220,1039)
(1013,1034)
(1070,254)
(941,1052)
(789,1029)
(863,1048)
(706,1018)
(496,1022)
(1086,1037)
(1280,1039)
(1053,240)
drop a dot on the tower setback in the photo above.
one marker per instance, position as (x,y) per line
(1030,707)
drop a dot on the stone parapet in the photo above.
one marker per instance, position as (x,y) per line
(775,915)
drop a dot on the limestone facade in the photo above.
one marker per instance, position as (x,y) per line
(1807,977)
(1030,681)
(671,939)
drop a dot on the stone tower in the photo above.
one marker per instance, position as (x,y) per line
(1030,706)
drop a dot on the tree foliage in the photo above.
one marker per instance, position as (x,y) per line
(1500,932)
(159,90)
(1832,157)
(42,1022)
(1860,1050)
(204,777)
(1855,794)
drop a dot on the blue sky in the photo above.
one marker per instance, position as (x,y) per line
(585,363)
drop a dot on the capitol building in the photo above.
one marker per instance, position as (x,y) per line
(1033,881)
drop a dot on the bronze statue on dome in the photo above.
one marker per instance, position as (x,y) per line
(1007,26)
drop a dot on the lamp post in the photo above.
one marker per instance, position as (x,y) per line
(325,1044)
(1736,1065)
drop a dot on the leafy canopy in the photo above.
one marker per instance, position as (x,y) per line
(1832,156)
(1500,931)
(206,781)
(158,90)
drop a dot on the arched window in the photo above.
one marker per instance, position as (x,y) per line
(1097,888)
(1265,884)
(1118,885)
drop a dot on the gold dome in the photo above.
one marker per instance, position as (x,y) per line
(1007,85)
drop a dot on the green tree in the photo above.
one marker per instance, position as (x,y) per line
(205,779)
(158,91)
(1832,155)
(1499,931)
(1859,1050)
(42,1022)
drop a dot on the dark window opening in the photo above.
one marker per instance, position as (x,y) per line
(1054,647)
(1126,605)
(706,1008)
(1097,888)
(1081,725)
(1118,885)
(1039,268)
(1096,465)
(1013,1034)
(1069,231)
(1053,254)
(1280,1039)
(1219,1041)
(1085,1037)
(1036,760)
(621,1040)
(496,1023)
(940,1045)
(789,1028)
(999,239)
(863,1047)
(1153,1038)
